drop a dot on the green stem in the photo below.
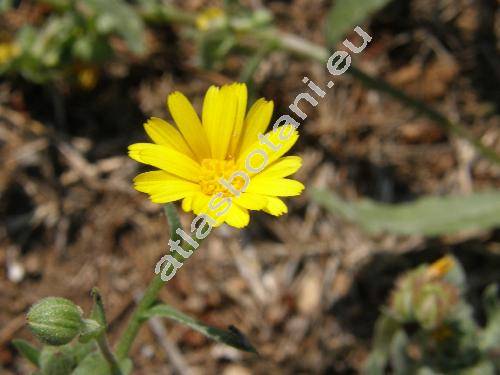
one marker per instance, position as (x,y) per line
(102,342)
(98,314)
(136,320)
(167,13)
(151,293)
(253,63)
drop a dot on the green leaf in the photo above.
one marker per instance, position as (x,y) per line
(81,350)
(59,5)
(386,329)
(428,216)
(490,335)
(57,360)
(345,14)
(213,48)
(95,364)
(5,5)
(28,351)
(119,17)
(491,302)
(231,337)
(400,362)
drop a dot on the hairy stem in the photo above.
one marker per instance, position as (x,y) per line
(135,322)
(102,342)
(150,295)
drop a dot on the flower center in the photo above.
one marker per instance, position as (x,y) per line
(212,170)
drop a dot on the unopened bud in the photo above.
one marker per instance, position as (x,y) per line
(55,320)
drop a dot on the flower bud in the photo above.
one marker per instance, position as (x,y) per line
(441,267)
(435,302)
(55,321)
(403,296)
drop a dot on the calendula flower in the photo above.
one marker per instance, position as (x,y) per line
(223,165)
(210,18)
(8,51)
(441,267)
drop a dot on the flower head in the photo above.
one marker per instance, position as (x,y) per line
(222,165)
(441,267)
(210,18)
(8,51)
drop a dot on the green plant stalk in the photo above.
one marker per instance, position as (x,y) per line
(108,355)
(303,48)
(98,313)
(253,63)
(150,295)
(166,13)
(135,322)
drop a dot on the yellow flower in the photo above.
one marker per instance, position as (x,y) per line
(441,267)
(87,77)
(222,166)
(210,18)
(8,51)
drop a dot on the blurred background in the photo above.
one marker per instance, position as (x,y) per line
(401,167)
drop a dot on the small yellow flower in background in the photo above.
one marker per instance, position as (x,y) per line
(194,156)
(441,267)
(8,51)
(210,18)
(87,77)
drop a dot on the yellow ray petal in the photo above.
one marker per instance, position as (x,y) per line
(189,124)
(240,90)
(275,206)
(212,107)
(274,147)
(187,203)
(164,187)
(223,114)
(282,167)
(165,158)
(200,205)
(237,216)
(149,181)
(281,187)
(256,122)
(163,133)
(251,201)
